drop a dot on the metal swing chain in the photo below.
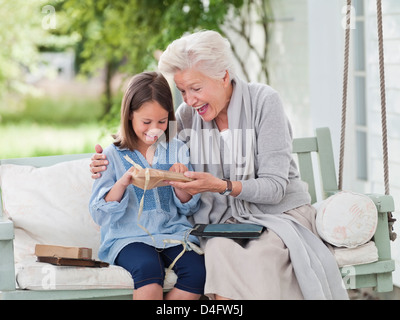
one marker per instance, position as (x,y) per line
(391,220)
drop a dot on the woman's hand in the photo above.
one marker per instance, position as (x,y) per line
(99,162)
(203,182)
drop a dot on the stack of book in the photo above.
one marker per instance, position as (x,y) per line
(67,256)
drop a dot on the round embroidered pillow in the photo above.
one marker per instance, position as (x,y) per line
(347,219)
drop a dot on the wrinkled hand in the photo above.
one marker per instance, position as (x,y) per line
(203,182)
(99,162)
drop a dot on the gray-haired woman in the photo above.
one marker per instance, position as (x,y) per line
(240,147)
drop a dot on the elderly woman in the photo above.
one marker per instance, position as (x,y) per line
(240,147)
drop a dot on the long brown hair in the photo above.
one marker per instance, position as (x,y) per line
(144,87)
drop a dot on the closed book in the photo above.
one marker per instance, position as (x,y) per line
(228,230)
(73,262)
(45,250)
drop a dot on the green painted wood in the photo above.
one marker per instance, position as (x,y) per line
(307,173)
(305,145)
(7,270)
(381,235)
(45,161)
(6,229)
(384,203)
(384,281)
(376,275)
(326,162)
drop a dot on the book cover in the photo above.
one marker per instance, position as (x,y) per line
(73,262)
(228,230)
(45,250)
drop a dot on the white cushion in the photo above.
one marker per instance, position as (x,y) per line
(347,219)
(34,275)
(49,205)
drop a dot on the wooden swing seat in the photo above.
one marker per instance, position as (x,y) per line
(377,274)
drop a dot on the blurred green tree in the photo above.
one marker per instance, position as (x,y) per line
(124,35)
(118,35)
(20,34)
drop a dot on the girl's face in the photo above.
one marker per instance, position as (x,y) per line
(149,122)
(207,95)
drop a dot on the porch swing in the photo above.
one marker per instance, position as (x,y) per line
(377,274)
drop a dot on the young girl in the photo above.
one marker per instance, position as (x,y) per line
(146,244)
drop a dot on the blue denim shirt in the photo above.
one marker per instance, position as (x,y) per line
(164,216)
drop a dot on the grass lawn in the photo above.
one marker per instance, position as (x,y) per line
(19,140)
(51,126)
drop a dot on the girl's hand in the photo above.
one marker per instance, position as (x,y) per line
(182,195)
(178,167)
(117,191)
(126,179)
(203,182)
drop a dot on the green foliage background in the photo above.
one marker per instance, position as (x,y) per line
(109,38)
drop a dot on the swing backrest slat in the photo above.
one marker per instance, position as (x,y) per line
(321,146)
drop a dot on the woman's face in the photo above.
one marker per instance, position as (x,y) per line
(149,122)
(207,95)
